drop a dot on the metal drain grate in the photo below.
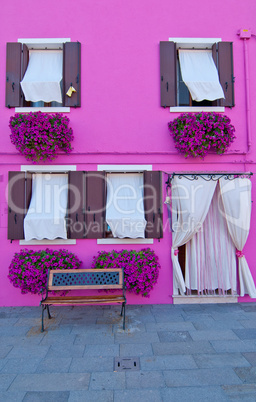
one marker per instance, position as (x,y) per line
(126,363)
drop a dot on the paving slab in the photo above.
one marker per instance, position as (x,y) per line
(201,377)
(50,382)
(138,395)
(144,379)
(134,349)
(12,396)
(91,364)
(103,381)
(6,380)
(248,333)
(21,365)
(191,394)
(221,360)
(54,396)
(179,348)
(167,362)
(91,396)
(251,358)
(54,365)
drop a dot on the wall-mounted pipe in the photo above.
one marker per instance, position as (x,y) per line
(245,35)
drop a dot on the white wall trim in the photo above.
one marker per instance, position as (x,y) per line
(124,168)
(43,109)
(46,242)
(125,241)
(184,109)
(204,299)
(42,43)
(48,168)
(195,42)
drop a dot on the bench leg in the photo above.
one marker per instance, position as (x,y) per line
(43,308)
(48,311)
(123,308)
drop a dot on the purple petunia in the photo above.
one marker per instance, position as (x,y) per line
(28,268)
(141,268)
(195,134)
(39,136)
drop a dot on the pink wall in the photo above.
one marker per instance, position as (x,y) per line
(121,120)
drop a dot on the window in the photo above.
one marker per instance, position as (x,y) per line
(87,196)
(43,73)
(125,215)
(37,204)
(175,93)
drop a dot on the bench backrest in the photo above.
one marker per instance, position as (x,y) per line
(68,279)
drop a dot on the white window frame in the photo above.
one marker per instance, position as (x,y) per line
(42,169)
(199,43)
(124,169)
(42,43)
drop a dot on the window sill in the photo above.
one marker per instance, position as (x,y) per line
(183,109)
(46,242)
(204,299)
(42,109)
(125,241)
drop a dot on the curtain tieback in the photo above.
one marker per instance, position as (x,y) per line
(239,253)
(176,251)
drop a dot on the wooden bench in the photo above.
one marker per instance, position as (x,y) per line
(84,279)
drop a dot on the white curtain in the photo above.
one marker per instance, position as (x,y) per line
(211,254)
(45,218)
(236,197)
(43,76)
(191,200)
(200,74)
(125,209)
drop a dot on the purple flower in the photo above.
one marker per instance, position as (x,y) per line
(28,268)
(39,136)
(197,133)
(141,268)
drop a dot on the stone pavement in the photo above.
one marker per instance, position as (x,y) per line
(185,353)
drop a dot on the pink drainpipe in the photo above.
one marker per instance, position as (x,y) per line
(245,34)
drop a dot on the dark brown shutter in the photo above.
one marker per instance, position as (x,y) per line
(226,75)
(19,195)
(72,73)
(168,64)
(24,65)
(13,74)
(95,205)
(76,205)
(153,204)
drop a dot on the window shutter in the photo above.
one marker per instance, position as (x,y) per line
(76,205)
(24,65)
(226,74)
(153,204)
(95,205)
(19,195)
(168,64)
(13,74)
(72,73)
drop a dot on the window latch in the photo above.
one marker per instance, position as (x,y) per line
(13,84)
(167,87)
(226,86)
(15,219)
